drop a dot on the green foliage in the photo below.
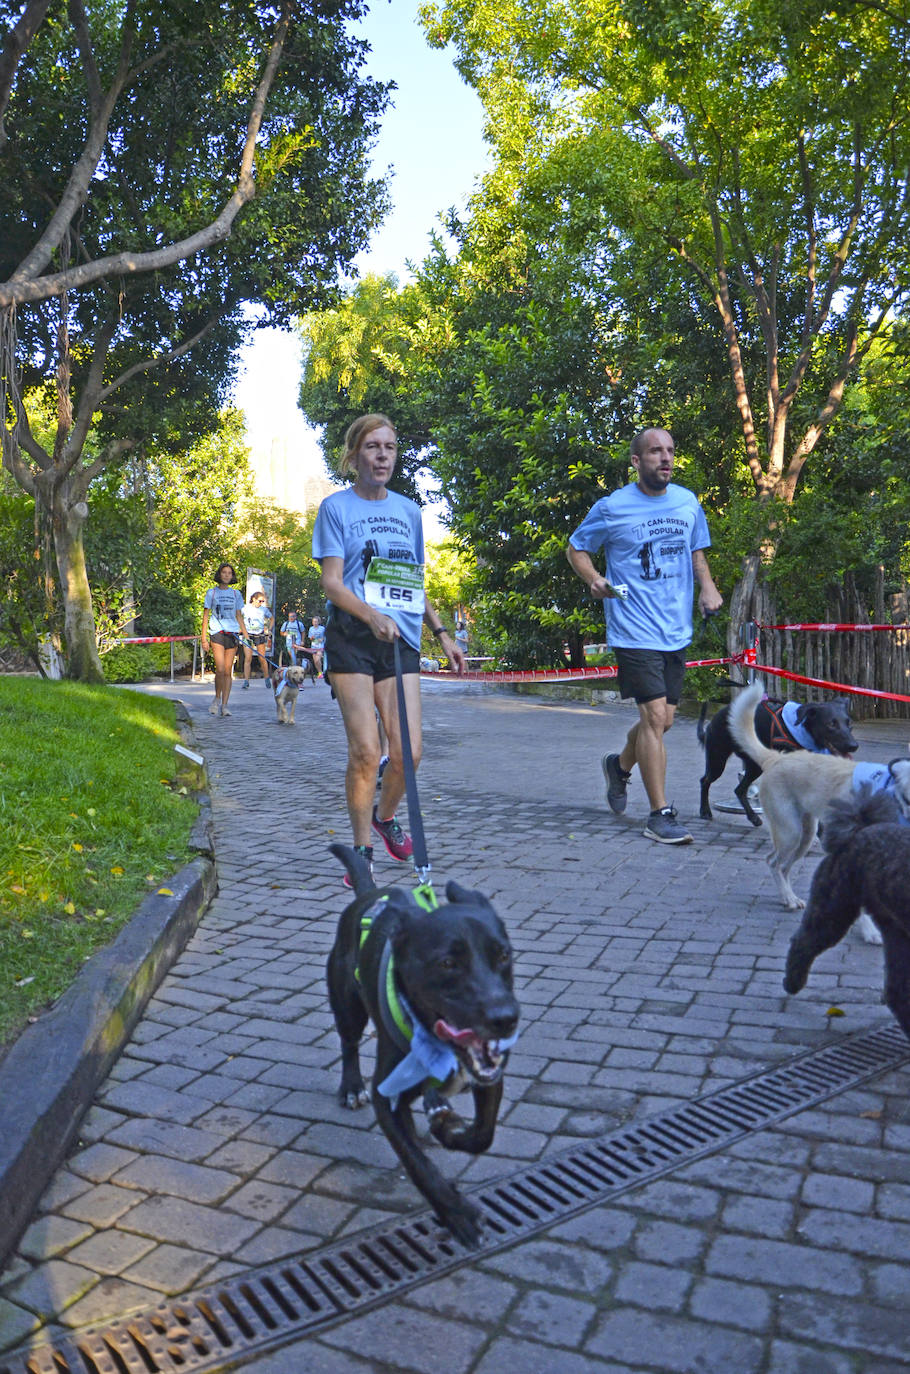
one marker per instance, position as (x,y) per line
(696,217)
(23,612)
(281,542)
(129,663)
(149,353)
(359,359)
(449,575)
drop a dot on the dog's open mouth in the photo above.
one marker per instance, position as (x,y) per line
(483,1059)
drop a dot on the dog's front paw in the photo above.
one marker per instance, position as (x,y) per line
(869,931)
(463,1219)
(795,976)
(794,903)
(353,1097)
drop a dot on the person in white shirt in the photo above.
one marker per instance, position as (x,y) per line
(258,619)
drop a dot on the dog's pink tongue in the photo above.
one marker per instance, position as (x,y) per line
(444,1031)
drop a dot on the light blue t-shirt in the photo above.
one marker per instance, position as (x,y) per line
(293,633)
(648,542)
(356,530)
(316,635)
(254,617)
(223,603)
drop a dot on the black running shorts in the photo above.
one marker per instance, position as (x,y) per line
(351,647)
(648,674)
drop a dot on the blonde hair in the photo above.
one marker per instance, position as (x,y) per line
(357,431)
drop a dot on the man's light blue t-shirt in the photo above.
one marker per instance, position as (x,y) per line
(356,530)
(648,542)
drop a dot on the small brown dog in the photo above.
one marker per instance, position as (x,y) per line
(287,683)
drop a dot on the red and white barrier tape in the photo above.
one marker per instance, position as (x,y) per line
(561,674)
(832,686)
(155,639)
(834,627)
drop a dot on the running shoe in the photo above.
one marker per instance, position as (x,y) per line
(382,767)
(225,711)
(617,780)
(246,686)
(663,827)
(215,708)
(394,838)
(268,682)
(366,852)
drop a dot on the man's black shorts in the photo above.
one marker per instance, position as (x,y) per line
(647,674)
(351,647)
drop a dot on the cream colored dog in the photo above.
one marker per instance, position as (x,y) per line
(794,791)
(287,683)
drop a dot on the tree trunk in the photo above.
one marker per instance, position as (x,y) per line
(83,663)
(744,601)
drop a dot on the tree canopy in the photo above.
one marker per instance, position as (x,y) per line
(697,216)
(165,167)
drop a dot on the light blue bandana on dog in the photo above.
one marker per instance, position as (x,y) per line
(877,777)
(788,715)
(428,1058)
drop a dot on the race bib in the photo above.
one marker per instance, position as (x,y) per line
(390,585)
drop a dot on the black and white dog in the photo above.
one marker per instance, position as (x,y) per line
(819,726)
(437,985)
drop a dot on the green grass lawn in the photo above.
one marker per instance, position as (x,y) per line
(91,820)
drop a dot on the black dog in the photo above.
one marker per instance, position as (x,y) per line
(826,723)
(866,866)
(309,666)
(438,988)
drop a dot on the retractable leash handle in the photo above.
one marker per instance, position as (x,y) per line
(423,893)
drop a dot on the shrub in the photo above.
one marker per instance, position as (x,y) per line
(130,662)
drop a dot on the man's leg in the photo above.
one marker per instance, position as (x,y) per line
(645,746)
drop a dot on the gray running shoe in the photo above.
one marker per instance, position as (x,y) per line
(617,781)
(662,826)
(215,708)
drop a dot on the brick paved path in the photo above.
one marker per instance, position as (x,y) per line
(647,975)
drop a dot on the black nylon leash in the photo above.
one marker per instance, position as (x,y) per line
(415,818)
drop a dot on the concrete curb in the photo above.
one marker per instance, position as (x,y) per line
(50,1076)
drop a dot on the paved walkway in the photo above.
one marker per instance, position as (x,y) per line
(647,975)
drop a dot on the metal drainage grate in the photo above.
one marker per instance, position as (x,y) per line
(220,1328)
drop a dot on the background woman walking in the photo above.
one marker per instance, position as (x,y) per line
(222,625)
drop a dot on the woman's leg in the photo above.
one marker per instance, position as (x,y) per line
(387,703)
(247,662)
(219,653)
(229,656)
(354,693)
